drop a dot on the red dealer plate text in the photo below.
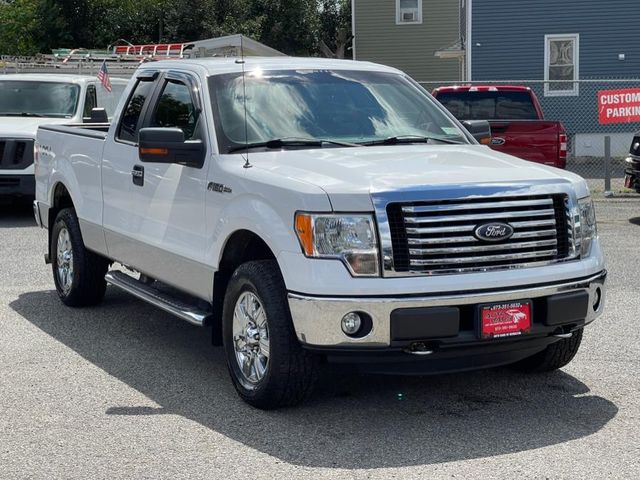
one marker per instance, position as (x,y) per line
(619,106)
(505,319)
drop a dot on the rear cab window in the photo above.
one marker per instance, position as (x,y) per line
(489,105)
(90,101)
(132,113)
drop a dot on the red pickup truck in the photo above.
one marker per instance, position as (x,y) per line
(517,123)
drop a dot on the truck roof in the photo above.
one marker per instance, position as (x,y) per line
(54,77)
(483,88)
(215,66)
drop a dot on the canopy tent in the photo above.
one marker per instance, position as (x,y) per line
(229,46)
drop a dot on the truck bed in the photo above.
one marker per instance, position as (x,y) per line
(79,146)
(91,130)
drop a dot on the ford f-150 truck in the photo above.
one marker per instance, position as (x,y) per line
(30,100)
(517,122)
(314,210)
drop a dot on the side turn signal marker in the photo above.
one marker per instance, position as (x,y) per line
(304,230)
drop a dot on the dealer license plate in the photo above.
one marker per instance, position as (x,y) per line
(505,319)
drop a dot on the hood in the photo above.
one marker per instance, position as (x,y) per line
(26,127)
(346,172)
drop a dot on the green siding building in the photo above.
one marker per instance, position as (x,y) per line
(407,34)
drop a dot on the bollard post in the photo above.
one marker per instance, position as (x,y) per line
(607,167)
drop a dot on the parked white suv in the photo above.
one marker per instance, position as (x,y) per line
(30,100)
(316,210)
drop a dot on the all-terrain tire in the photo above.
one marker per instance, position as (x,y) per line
(555,356)
(86,284)
(291,371)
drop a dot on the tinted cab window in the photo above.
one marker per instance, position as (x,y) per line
(131,116)
(90,101)
(175,108)
(489,105)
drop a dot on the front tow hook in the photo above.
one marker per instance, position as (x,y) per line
(419,348)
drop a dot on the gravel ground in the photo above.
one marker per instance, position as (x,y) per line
(125,391)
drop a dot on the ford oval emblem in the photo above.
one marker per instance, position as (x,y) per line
(494,232)
(498,141)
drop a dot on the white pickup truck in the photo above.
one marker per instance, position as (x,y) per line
(30,100)
(316,210)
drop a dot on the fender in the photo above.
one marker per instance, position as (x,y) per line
(252,213)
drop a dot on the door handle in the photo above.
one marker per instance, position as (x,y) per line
(137,175)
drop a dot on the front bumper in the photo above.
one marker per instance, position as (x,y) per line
(317,320)
(17,186)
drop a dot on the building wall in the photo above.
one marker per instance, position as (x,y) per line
(410,48)
(510,34)
(508,44)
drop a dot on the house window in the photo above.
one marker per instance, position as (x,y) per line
(561,56)
(408,12)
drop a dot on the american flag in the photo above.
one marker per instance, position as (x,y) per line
(103,76)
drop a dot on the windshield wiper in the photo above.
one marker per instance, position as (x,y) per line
(277,143)
(19,114)
(405,139)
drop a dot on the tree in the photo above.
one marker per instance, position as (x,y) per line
(335,28)
(290,26)
(18,27)
(297,27)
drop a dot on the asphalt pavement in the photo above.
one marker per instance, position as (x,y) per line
(125,391)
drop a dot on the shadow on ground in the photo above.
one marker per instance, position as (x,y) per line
(16,214)
(351,422)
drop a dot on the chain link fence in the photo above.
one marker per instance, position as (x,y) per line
(579,114)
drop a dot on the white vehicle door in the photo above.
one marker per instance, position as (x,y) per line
(168,199)
(118,159)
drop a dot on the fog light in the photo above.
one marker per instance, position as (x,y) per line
(351,323)
(597,299)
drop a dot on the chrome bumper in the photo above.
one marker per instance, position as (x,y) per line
(317,320)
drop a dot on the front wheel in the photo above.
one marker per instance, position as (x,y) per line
(78,273)
(268,366)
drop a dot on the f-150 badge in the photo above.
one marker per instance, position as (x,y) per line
(218,187)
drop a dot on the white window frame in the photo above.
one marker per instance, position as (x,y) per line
(399,16)
(574,90)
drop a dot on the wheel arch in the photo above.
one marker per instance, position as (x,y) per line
(60,198)
(240,246)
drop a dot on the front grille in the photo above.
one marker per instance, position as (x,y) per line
(434,237)
(16,154)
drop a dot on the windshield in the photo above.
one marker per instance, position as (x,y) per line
(339,106)
(489,105)
(38,99)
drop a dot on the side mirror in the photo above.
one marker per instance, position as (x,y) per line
(98,115)
(167,145)
(479,129)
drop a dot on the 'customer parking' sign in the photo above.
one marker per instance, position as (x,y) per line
(619,106)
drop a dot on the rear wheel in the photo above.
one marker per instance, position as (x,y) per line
(77,272)
(555,356)
(268,366)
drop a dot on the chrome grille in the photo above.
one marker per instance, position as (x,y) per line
(431,237)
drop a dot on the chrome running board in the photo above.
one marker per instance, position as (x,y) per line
(162,300)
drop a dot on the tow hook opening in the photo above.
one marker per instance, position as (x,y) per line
(563,332)
(420,348)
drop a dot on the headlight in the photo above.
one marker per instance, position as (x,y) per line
(350,238)
(588,229)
